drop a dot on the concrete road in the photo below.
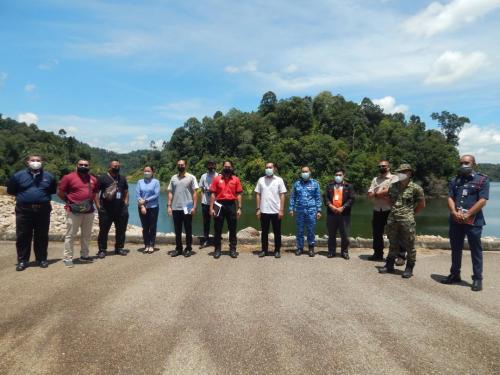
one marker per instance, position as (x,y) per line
(153,314)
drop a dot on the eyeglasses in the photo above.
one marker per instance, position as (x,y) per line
(465,163)
(83,165)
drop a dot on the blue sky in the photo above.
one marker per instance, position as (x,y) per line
(118,74)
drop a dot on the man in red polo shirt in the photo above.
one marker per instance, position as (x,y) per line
(225,202)
(78,189)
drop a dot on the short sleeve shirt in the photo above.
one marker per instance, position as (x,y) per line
(226,189)
(404,201)
(105,180)
(270,189)
(205,182)
(379,182)
(76,187)
(467,190)
(182,189)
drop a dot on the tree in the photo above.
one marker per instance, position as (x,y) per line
(268,103)
(450,124)
(62,133)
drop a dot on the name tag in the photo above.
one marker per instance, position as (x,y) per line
(118,195)
(464,192)
(336,197)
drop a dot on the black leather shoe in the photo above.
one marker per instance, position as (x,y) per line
(277,254)
(21,266)
(120,252)
(408,272)
(376,258)
(477,285)
(101,254)
(233,254)
(451,279)
(311,251)
(298,252)
(389,266)
(203,244)
(345,255)
(262,254)
(188,253)
(175,253)
(217,254)
(43,264)
(86,259)
(331,255)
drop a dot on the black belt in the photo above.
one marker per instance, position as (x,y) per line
(33,205)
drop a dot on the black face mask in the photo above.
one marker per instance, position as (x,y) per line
(211,169)
(83,170)
(382,169)
(115,170)
(181,169)
(227,171)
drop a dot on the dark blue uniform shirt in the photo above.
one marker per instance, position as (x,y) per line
(467,190)
(32,188)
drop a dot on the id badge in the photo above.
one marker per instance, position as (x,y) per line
(118,195)
(336,197)
(464,192)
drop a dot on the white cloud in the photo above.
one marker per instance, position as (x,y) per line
(250,66)
(28,118)
(437,18)
(3,78)
(183,109)
(452,66)
(388,104)
(113,133)
(30,87)
(48,65)
(482,142)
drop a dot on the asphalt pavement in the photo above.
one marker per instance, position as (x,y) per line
(153,314)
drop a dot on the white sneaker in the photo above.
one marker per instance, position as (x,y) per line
(68,262)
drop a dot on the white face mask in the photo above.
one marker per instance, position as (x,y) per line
(402,176)
(339,179)
(35,165)
(269,171)
(148,175)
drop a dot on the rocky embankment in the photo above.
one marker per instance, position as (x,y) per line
(249,236)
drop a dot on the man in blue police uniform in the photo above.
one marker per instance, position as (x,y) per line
(305,204)
(468,193)
(33,188)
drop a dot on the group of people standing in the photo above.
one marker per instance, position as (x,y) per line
(396,201)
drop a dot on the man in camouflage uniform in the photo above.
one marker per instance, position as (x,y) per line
(407,199)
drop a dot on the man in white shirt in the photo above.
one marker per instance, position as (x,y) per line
(205,182)
(270,199)
(381,208)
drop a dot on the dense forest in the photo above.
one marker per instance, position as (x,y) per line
(60,151)
(323,132)
(492,170)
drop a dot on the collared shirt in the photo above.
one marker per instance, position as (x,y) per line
(270,190)
(380,204)
(306,196)
(345,196)
(226,189)
(105,180)
(467,190)
(404,200)
(182,188)
(149,190)
(31,188)
(76,187)
(205,182)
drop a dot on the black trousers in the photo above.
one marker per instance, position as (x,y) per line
(379,220)
(180,219)
(342,224)
(265,221)
(227,212)
(107,217)
(205,211)
(32,224)
(148,223)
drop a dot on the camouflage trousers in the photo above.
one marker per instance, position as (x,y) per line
(401,234)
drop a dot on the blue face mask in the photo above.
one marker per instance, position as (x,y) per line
(305,175)
(339,179)
(269,172)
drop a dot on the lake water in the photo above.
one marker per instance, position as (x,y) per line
(433,220)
